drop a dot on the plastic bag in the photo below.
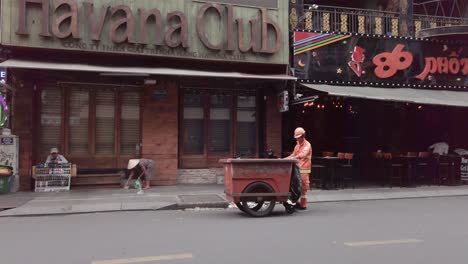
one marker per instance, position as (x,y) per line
(296,183)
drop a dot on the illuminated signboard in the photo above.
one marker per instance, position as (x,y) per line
(344,59)
(3,111)
(3,75)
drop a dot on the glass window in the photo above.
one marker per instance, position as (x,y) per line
(105,122)
(194,140)
(51,120)
(246,126)
(130,123)
(220,116)
(78,121)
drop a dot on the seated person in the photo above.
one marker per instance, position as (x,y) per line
(145,167)
(440,148)
(55,157)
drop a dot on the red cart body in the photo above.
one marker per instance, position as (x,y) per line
(240,173)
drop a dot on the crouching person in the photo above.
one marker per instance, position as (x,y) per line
(142,167)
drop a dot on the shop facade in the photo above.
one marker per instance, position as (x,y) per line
(380,94)
(184,83)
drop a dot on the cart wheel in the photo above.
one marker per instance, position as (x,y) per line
(253,205)
(258,208)
(240,206)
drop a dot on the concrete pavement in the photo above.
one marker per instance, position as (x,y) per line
(185,196)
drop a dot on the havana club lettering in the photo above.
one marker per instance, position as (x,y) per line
(61,19)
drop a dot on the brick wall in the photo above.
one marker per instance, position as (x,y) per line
(201,176)
(160,131)
(274,125)
(22,126)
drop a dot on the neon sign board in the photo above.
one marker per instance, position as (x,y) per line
(3,111)
(343,59)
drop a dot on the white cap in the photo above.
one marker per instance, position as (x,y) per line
(54,150)
(299,132)
(132,163)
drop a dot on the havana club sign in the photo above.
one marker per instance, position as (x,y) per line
(196,29)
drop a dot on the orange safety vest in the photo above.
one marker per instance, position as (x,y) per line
(303,153)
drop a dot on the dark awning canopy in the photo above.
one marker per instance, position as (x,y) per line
(24,64)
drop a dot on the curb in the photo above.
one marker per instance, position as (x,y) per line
(184,206)
(172,207)
(221,205)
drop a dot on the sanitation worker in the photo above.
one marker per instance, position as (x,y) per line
(303,153)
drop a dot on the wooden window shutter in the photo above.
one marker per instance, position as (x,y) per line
(246,126)
(51,120)
(130,123)
(78,121)
(105,122)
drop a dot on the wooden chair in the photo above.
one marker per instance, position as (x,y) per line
(341,155)
(316,177)
(445,171)
(328,154)
(412,154)
(424,169)
(394,168)
(424,154)
(377,167)
(346,172)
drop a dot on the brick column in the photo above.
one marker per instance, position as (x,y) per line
(273,125)
(22,126)
(160,131)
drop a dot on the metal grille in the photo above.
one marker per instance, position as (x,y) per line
(366,21)
(53,177)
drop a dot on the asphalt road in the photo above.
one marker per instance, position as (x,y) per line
(378,232)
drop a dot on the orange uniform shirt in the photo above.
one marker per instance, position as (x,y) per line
(303,153)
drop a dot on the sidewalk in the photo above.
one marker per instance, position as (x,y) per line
(183,197)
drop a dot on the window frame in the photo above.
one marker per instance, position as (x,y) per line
(117,158)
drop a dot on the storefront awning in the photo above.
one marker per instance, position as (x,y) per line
(418,96)
(23,64)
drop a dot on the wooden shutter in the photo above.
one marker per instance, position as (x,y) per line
(105,122)
(78,121)
(130,123)
(246,125)
(51,120)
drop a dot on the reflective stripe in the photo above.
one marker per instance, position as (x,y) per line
(305,171)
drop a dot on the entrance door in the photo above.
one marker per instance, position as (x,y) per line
(96,127)
(217,125)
